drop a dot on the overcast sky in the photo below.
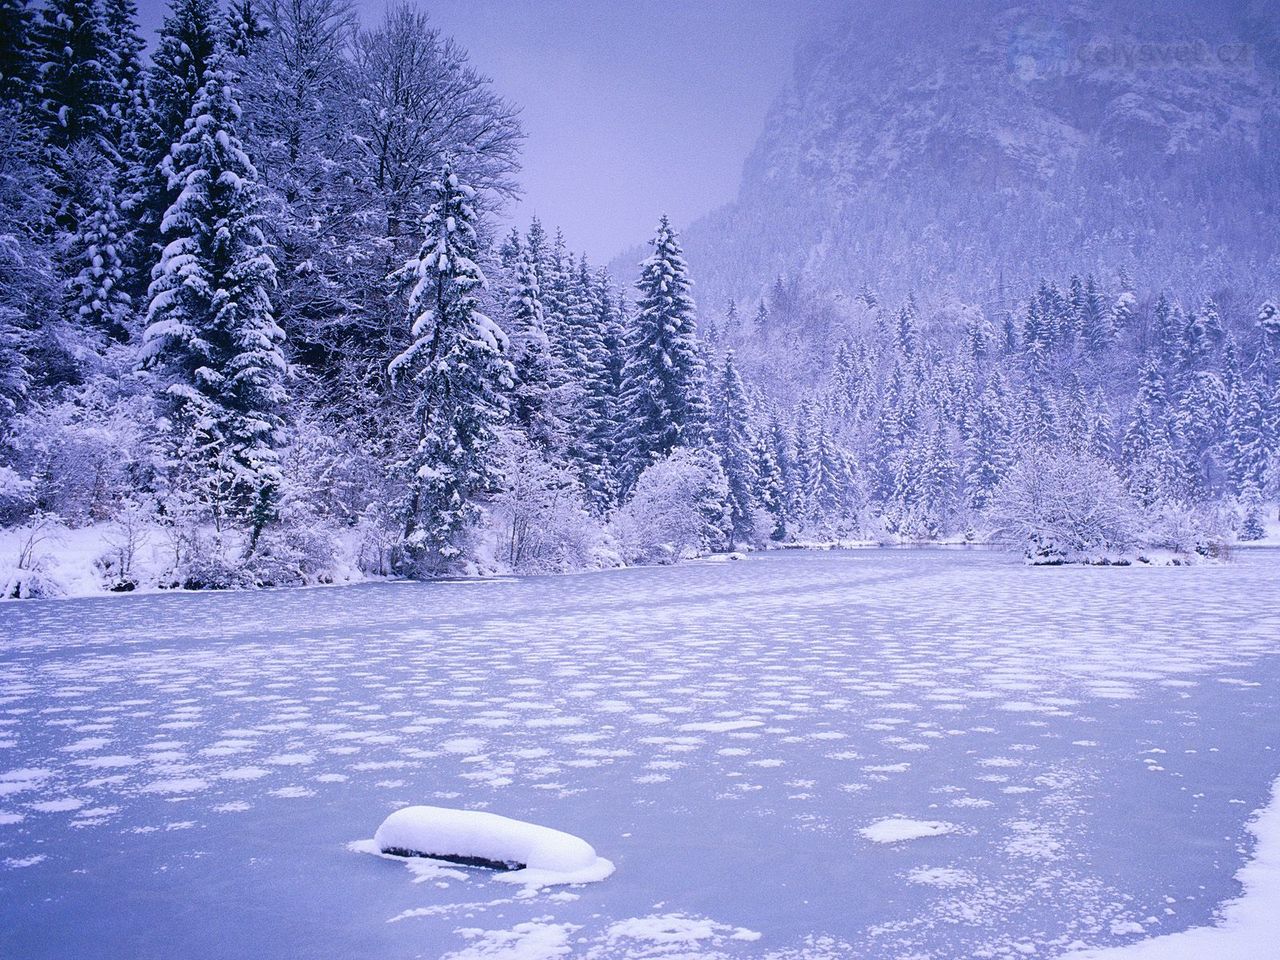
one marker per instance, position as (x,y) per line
(633,107)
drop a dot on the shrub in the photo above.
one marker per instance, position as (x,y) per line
(539,520)
(679,508)
(1188,530)
(1062,505)
(293,556)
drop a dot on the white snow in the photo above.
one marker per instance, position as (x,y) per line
(542,856)
(897,829)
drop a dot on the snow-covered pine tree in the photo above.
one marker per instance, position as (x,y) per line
(242,29)
(538,247)
(1101,438)
(17,69)
(731,439)
(1199,422)
(585,359)
(1037,339)
(1269,326)
(603,401)
(1100,326)
(183,53)
(177,73)
(76,84)
(989,450)
(1123,312)
(1246,435)
(1194,344)
(27,282)
(829,480)
(760,325)
(1156,464)
(96,295)
(126,49)
(458,371)
(510,251)
(906,335)
(731,328)
(210,330)
(1252,528)
(533,403)
(664,392)
(770,490)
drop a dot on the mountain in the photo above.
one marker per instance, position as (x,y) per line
(970,148)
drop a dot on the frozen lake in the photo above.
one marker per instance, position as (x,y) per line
(180,775)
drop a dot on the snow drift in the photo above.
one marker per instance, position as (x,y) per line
(530,853)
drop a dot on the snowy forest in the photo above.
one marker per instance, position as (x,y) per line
(261,324)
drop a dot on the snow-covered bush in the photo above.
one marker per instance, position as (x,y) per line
(679,508)
(539,520)
(1190,530)
(119,563)
(15,494)
(293,555)
(1063,506)
(81,458)
(23,576)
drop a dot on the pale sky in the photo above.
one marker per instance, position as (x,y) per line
(632,108)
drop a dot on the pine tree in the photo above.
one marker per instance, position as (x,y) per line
(1166,332)
(1246,435)
(990,448)
(183,54)
(179,63)
(242,29)
(75,75)
(456,365)
(828,477)
(906,335)
(1252,528)
(1199,423)
(731,329)
(1036,340)
(1123,311)
(604,387)
(760,325)
(1099,326)
(1195,342)
(770,490)
(129,129)
(731,439)
(664,381)
(96,294)
(1156,466)
(17,73)
(210,328)
(1269,325)
(1101,437)
(533,404)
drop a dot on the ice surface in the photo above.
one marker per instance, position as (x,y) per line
(724,732)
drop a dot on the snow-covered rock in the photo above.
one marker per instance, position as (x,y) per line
(535,855)
(898,829)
